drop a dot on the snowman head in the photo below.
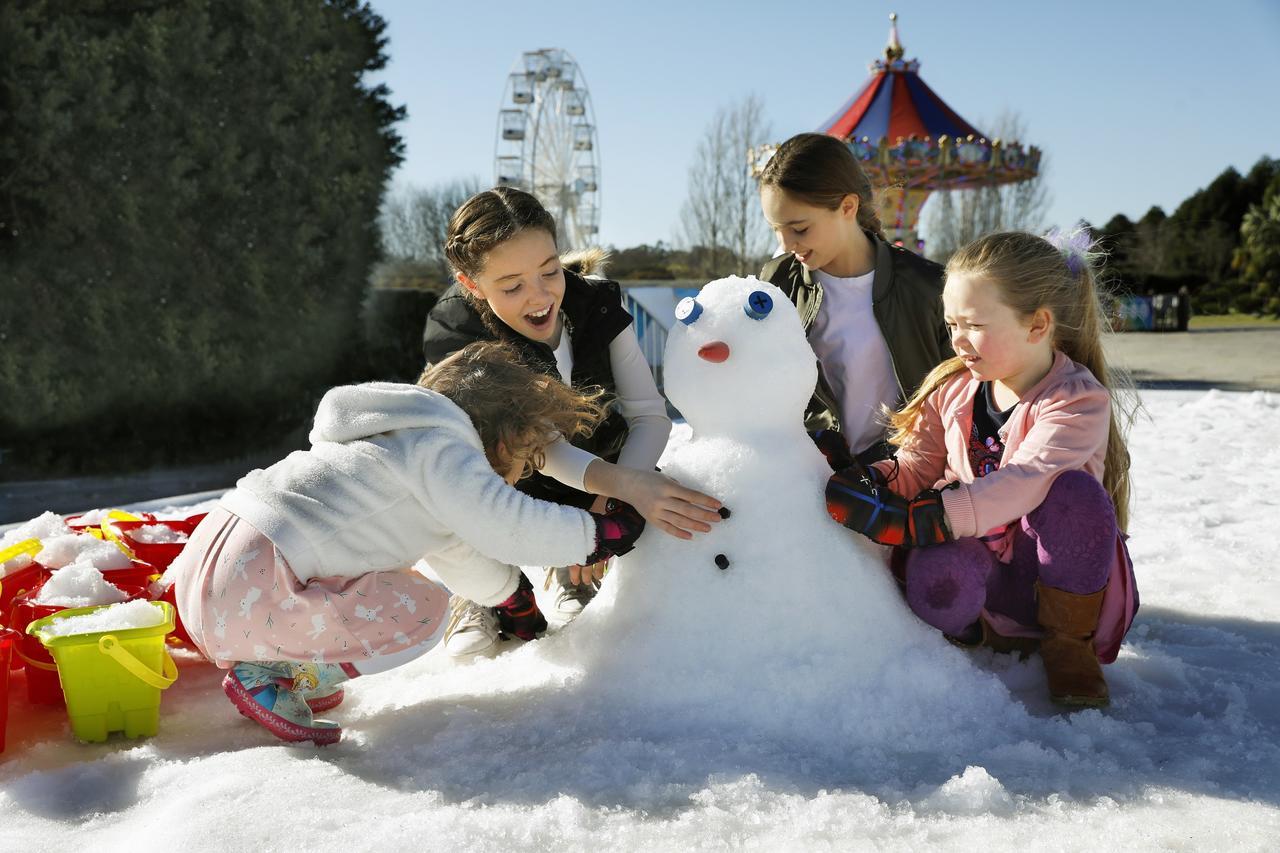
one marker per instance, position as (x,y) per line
(737,359)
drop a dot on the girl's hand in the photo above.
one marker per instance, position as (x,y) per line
(666,504)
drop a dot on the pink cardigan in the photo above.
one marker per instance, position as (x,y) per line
(1059,425)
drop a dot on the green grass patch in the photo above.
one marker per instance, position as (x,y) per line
(1228,321)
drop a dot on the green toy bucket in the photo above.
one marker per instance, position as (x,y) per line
(112,680)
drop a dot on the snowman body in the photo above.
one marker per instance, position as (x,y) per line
(777,597)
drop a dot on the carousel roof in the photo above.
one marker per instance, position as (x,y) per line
(898,126)
(897,104)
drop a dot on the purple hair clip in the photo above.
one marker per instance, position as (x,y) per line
(1074,245)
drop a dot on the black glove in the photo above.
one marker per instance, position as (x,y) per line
(616,531)
(519,615)
(859,499)
(834,447)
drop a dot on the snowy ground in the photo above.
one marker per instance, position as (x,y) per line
(518,753)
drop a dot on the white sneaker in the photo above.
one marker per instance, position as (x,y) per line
(472,630)
(570,598)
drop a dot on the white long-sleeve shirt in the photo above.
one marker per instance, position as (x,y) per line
(641,405)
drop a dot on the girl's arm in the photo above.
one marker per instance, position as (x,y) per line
(662,501)
(922,463)
(1065,436)
(648,426)
(457,487)
(472,575)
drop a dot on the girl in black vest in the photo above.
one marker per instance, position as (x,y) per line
(873,311)
(512,286)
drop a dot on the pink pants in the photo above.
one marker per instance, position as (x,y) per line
(239,600)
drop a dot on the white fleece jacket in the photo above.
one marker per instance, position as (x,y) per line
(397,473)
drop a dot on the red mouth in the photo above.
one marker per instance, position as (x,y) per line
(714,352)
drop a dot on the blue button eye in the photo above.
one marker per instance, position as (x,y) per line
(688,310)
(759,304)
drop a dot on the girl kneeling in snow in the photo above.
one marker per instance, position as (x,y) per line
(1012,463)
(300,578)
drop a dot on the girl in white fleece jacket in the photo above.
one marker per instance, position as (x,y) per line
(300,578)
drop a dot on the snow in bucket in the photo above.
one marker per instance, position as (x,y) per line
(78,585)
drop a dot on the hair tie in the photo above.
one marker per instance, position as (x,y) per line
(1075,246)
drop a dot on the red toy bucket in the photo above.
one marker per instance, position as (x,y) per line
(138,574)
(43,686)
(8,638)
(158,554)
(14,584)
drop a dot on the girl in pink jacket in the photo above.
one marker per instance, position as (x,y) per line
(1008,496)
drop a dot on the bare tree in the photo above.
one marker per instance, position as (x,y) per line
(721,217)
(957,217)
(414,221)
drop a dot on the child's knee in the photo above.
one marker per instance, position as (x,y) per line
(1075,493)
(946,585)
(1072,535)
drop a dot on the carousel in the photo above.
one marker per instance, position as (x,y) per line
(910,143)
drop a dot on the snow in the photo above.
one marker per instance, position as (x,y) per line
(78,585)
(61,546)
(115,617)
(534,751)
(157,534)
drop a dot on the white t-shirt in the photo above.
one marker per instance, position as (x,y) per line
(854,357)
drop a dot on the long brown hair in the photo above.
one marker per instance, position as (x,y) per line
(1032,273)
(515,408)
(821,170)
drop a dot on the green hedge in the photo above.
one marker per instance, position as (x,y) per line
(187,222)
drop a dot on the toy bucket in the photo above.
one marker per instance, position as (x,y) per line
(137,574)
(112,680)
(43,685)
(20,580)
(8,638)
(158,554)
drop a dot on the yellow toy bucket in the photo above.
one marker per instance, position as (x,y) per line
(112,680)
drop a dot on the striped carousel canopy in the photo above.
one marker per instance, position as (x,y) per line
(896,104)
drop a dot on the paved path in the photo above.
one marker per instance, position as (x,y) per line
(1242,359)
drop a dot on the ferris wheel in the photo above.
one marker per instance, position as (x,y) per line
(546,142)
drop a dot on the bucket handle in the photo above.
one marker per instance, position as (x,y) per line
(35,664)
(111,647)
(26,546)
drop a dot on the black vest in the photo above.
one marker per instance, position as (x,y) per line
(593,315)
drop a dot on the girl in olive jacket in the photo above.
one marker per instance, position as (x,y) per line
(872,311)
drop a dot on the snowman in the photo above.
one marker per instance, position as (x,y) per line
(778,604)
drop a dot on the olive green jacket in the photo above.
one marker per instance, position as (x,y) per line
(906,297)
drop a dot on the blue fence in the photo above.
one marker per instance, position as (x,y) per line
(651,333)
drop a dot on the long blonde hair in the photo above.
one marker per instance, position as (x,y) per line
(517,410)
(1057,273)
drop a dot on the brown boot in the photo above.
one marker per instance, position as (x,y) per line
(1069,622)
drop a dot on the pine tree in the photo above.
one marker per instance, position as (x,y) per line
(188,216)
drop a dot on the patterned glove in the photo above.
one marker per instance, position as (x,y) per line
(616,531)
(859,499)
(834,447)
(519,615)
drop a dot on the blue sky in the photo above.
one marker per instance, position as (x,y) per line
(1135,103)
